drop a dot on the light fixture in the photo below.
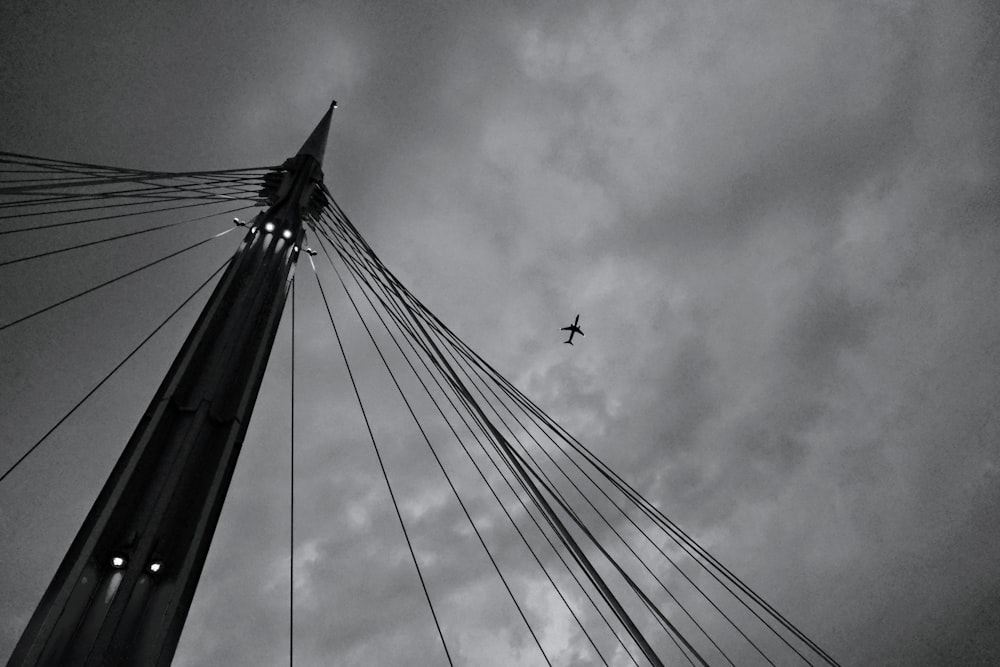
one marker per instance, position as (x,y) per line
(269,227)
(155,566)
(295,248)
(287,233)
(118,562)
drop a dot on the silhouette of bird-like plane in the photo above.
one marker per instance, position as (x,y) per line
(573,329)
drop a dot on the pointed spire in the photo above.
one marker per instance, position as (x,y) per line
(315,145)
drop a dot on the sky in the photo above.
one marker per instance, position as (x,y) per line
(778,221)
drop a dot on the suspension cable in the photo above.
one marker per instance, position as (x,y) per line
(411,334)
(114,370)
(381,463)
(199,192)
(68,163)
(540,502)
(600,514)
(291,501)
(462,366)
(440,463)
(474,357)
(547,511)
(698,553)
(109,180)
(410,341)
(110,217)
(643,532)
(114,280)
(89,208)
(122,236)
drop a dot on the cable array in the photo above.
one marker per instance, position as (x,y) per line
(618,547)
(37,189)
(114,370)
(642,589)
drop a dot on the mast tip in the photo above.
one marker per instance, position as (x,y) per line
(315,145)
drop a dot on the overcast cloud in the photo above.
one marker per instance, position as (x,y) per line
(778,220)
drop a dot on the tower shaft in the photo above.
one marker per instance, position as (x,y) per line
(123,590)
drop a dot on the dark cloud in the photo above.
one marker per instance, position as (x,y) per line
(777,221)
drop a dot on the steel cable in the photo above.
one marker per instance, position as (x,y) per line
(113,371)
(113,280)
(409,337)
(434,453)
(385,473)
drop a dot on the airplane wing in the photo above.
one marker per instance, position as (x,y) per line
(579,331)
(569,328)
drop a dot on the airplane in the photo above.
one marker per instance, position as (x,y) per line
(572,329)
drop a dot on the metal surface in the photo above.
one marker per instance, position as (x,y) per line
(122,592)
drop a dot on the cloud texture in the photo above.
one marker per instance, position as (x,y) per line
(777,219)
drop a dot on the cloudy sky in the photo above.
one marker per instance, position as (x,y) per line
(779,221)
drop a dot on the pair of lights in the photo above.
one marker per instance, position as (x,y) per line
(269,227)
(119,563)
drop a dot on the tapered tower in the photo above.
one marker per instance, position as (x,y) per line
(123,590)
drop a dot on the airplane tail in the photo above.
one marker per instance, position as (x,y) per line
(569,342)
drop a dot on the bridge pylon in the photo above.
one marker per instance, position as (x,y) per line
(123,590)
